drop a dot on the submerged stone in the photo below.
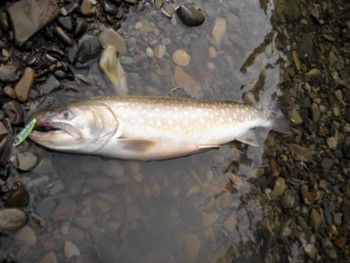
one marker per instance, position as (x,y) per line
(111,67)
(12,219)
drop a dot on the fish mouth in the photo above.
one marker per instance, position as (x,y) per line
(55,131)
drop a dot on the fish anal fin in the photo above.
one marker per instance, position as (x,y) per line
(207,146)
(136,144)
(248,137)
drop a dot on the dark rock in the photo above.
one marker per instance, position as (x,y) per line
(13,112)
(189,15)
(66,23)
(18,196)
(5,150)
(49,85)
(88,47)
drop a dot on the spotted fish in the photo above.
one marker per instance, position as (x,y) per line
(148,128)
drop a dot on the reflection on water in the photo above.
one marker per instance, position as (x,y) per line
(211,207)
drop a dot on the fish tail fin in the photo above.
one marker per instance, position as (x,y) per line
(280,124)
(270,106)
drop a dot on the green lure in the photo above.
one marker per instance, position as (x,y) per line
(23,134)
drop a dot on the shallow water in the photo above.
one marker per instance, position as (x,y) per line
(210,207)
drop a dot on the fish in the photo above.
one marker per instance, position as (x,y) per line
(149,128)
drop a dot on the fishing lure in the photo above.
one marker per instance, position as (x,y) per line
(23,134)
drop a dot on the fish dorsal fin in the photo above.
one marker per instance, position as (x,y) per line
(136,144)
(182,92)
(248,137)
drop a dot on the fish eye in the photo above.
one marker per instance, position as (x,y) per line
(65,114)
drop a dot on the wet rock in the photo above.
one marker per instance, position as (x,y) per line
(26,161)
(76,235)
(18,196)
(310,250)
(89,47)
(219,30)
(13,112)
(111,67)
(63,36)
(110,37)
(9,71)
(313,74)
(51,84)
(12,219)
(278,188)
(301,153)
(315,112)
(289,199)
(181,58)
(295,117)
(315,219)
(5,150)
(9,92)
(189,15)
(26,236)
(70,249)
(87,8)
(26,24)
(24,85)
(159,3)
(109,7)
(159,51)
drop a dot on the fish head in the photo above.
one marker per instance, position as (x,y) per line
(75,127)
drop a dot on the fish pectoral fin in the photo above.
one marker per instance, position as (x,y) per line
(135,144)
(248,138)
(207,146)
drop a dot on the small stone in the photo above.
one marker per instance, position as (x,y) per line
(295,117)
(182,79)
(26,236)
(87,8)
(278,189)
(219,30)
(193,245)
(339,94)
(193,190)
(26,161)
(315,219)
(313,74)
(70,249)
(332,142)
(159,51)
(18,197)
(315,112)
(9,92)
(181,58)
(212,52)
(144,26)
(230,223)
(12,219)
(310,250)
(209,219)
(51,84)
(88,47)
(159,3)
(110,37)
(13,112)
(336,111)
(24,85)
(301,153)
(49,258)
(111,67)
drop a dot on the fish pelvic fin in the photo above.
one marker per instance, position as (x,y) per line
(135,144)
(249,138)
